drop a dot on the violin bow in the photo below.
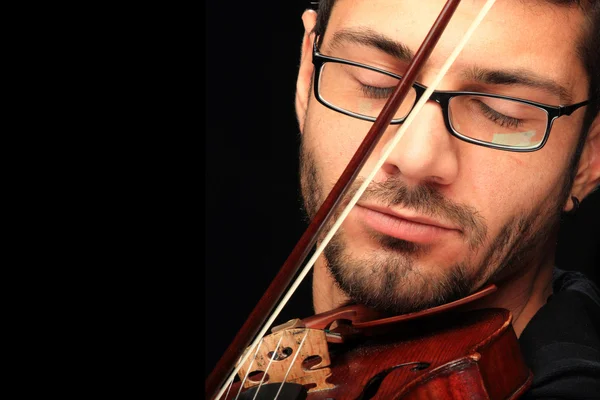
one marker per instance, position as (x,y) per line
(264,308)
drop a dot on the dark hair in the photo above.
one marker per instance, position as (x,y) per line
(588,49)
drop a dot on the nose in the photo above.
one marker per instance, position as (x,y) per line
(427,152)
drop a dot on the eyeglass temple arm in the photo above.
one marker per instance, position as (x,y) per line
(568,110)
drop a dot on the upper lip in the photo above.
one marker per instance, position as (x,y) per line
(420,219)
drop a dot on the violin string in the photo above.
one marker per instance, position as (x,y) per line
(389,148)
(267,369)
(291,364)
(228,390)
(248,371)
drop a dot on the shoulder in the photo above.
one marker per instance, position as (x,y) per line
(561,343)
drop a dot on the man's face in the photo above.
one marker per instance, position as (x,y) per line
(443,216)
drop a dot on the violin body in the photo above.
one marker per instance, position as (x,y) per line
(456,355)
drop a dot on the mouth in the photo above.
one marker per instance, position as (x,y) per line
(409,227)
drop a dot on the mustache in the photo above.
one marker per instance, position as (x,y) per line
(424,199)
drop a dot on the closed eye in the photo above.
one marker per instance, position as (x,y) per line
(377,92)
(498,118)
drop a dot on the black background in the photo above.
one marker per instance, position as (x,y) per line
(253,216)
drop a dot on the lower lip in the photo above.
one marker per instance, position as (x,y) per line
(401,228)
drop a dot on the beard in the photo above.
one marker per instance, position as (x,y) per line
(391,279)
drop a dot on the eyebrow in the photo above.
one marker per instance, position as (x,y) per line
(517,77)
(398,50)
(369,37)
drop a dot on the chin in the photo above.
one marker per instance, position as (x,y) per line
(396,280)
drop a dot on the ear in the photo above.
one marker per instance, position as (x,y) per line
(303,86)
(588,171)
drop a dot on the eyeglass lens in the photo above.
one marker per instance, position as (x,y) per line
(498,121)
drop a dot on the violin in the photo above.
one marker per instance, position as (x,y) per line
(353,353)
(356,353)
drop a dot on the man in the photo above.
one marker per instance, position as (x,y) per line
(474,191)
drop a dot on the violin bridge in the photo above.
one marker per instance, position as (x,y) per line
(305,364)
(292,323)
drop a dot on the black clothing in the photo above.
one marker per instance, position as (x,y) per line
(561,343)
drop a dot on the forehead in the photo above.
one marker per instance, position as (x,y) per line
(525,34)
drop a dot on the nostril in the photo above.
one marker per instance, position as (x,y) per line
(390,169)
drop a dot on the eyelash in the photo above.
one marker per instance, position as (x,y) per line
(376,92)
(500,119)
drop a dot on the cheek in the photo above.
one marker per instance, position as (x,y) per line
(503,185)
(333,138)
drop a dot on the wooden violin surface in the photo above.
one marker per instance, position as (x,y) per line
(466,355)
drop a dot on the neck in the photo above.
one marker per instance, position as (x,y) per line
(524,294)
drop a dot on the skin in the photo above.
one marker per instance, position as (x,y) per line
(494,187)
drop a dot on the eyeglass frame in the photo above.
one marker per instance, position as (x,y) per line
(442,97)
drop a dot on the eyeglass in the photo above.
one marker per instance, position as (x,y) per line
(488,120)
